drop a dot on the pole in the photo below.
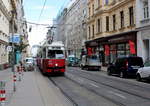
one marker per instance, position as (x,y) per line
(13,52)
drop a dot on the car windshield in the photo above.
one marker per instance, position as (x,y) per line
(135,61)
(29,60)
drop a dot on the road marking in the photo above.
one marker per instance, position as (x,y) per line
(94,85)
(80,80)
(117,94)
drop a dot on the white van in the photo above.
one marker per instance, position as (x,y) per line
(90,62)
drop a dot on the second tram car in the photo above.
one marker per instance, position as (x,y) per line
(52,58)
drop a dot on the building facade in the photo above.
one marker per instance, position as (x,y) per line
(111,29)
(76,27)
(143,27)
(11,21)
(5,18)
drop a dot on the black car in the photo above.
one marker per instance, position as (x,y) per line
(125,66)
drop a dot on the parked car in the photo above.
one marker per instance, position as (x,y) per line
(144,72)
(90,62)
(72,60)
(29,64)
(125,66)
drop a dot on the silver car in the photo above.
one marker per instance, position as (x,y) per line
(29,64)
(144,72)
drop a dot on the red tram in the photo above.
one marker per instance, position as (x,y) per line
(52,58)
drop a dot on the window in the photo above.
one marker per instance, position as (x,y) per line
(114,22)
(98,1)
(89,32)
(98,25)
(89,11)
(93,30)
(106,2)
(93,9)
(122,19)
(131,16)
(146,10)
(107,23)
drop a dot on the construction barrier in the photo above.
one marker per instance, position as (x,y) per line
(2,93)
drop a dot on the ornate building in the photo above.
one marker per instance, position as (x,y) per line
(75,27)
(11,22)
(111,29)
(5,18)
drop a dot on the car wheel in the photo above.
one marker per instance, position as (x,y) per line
(82,67)
(138,77)
(122,75)
(108,72)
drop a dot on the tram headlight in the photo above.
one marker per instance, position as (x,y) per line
(56,65)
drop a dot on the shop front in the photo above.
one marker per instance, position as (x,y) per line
(112,47)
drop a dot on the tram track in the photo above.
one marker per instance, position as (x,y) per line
(114,79)
(63,92)
(90,90)
(108,85)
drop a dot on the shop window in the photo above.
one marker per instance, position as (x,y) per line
(106,59)
(121,46)
(127,46)
(112,56)
(112,47)
(112,53)
(121,53)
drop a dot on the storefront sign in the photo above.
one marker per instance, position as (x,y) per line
(132,47)
(107,52)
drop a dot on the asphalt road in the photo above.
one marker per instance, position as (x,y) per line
(91,88)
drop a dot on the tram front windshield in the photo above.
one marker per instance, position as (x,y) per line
(55,54)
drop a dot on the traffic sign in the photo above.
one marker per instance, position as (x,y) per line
(15,38)
(9,48)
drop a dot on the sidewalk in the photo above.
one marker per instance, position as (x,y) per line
(36,90)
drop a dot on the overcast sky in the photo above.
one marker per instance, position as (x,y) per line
(32,14)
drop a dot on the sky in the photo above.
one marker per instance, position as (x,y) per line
(33,10)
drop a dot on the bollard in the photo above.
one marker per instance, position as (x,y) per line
(14,80)
(19,69)
(2,93)
(22,70)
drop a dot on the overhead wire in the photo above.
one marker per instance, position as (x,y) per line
(42,10)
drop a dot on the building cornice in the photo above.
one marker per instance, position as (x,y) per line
(143,28)
(4,10)
(119,5)
(112,8)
